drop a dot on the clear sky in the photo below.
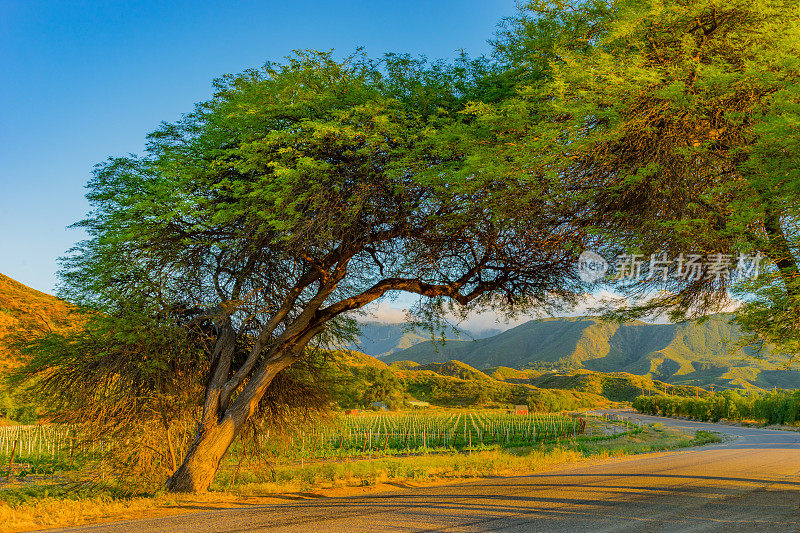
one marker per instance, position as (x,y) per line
(81,81)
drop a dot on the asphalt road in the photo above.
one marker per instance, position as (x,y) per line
(750,483)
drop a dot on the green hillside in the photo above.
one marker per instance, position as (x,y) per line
(692,353)
(456,369)
(404,365)
(454,383)
(616,386)
(364,380)
(504,373)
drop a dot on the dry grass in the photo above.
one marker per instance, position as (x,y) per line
(258,480)
(21,306)
(55,511)
(35,508)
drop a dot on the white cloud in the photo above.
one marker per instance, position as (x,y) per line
(396,312)
(593,303)
(477,323)
(384,311)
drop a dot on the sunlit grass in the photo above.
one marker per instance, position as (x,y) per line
(35,507)
(256,479)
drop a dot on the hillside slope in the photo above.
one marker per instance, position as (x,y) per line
(27,308)
(690,353)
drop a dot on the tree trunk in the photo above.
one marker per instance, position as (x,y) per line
(780,251)
(203,458)
(214,438)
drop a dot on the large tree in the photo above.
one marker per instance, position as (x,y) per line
(302,192)
(674,125)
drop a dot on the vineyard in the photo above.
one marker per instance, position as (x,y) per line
(408,433)
(341,436)
(35,441)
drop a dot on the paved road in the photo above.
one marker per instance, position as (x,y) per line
(750,483)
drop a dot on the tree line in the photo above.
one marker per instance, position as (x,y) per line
(776,407)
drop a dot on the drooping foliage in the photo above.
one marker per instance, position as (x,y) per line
(673,127)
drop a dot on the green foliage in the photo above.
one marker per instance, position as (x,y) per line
(530,42)
(779,407)
(450,391)
(456,369)
(290,163)
(18,404)
(615,386)
(702,438)
(674,126)
(362,386)
(555,400)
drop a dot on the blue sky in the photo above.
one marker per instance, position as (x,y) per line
(82,81)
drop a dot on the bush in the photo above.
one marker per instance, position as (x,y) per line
(778,407)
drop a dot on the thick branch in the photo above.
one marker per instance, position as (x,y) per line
(415,286)
(780,251)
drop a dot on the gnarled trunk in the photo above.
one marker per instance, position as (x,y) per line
(220,425)
(203,458)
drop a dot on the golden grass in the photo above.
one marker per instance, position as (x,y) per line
(34,509)
(53,511)
(258,480)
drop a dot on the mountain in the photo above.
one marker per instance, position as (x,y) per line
(455,369)
(22,307)
(616,386)
(361,380)
(378,339)
(691,353)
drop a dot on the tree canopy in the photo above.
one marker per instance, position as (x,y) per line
(302,192)
(673,127)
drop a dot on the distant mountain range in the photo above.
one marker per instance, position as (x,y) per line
(691,353)
(378,339)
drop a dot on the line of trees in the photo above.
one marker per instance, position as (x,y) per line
(778,407)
